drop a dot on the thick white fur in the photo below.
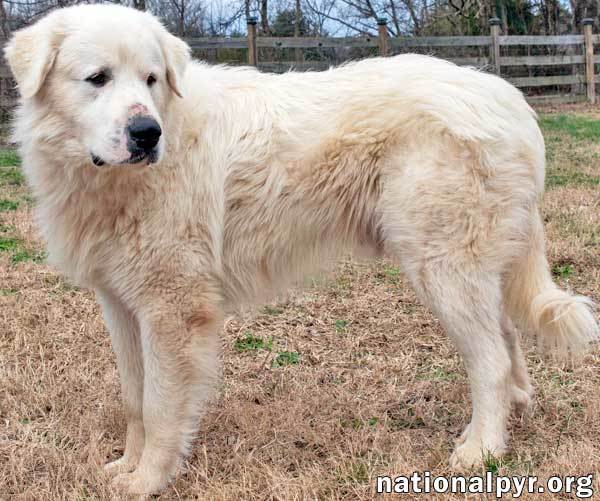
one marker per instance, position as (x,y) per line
(264,178)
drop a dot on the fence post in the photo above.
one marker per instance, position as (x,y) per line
(495,44)
(383,39)
(590,78)
(252,54)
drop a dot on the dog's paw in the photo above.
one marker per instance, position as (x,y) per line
(136,484)
(522,400)
(121,465)
(471,453)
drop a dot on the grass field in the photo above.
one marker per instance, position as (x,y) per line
(322,391)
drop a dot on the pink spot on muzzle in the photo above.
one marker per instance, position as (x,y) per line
(138,109)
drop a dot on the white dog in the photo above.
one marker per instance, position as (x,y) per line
(177,191)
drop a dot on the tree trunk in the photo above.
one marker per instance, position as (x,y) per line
(576,10)
(4,27)
(181,27)
(504,17)
(298,19)
(264,17)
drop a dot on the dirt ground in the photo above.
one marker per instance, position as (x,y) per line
(322,391)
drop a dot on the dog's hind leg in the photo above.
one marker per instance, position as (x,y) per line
(179,341)
(521,388)
(125,338)
(468,304)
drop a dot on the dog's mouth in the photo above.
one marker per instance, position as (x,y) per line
(146,157)
(97,161)
(137,156)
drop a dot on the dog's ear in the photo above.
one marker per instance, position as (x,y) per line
(31,53)
(177,57)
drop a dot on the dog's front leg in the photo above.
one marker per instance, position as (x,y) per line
(180,352)
(125,337)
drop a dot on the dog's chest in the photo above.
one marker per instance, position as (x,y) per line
(88,238)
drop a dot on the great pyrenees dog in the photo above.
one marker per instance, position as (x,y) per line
(179,191)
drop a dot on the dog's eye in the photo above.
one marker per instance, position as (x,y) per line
(151,80)
(98,79)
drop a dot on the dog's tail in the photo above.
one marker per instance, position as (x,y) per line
(564,324)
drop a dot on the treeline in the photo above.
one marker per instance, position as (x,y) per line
(339,17)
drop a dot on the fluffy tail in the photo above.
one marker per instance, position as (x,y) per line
(564,324)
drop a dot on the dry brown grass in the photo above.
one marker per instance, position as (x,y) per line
(378,388)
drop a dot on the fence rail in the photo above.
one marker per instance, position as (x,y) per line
(315,42)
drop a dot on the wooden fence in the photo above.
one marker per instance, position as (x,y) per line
(576,64)
(564,64)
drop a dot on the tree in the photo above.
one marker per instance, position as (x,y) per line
(264,17)
(285,24)
(4,27)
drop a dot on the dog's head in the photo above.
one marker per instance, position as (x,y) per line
(107,73)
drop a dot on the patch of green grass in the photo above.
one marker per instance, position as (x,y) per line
(571,148)
(340,325)
(9,292)
(491,463)
(576,126)
(11,175)
(6,205)
(573,178)
(373,421)
(392,273)
(506,464)
(285,358)
(18,252)
(562,270)
(389,273)
(9,244)
(253,343)
(10,172)
(9,158)
(21,255)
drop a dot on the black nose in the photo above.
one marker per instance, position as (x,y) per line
(144,132)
